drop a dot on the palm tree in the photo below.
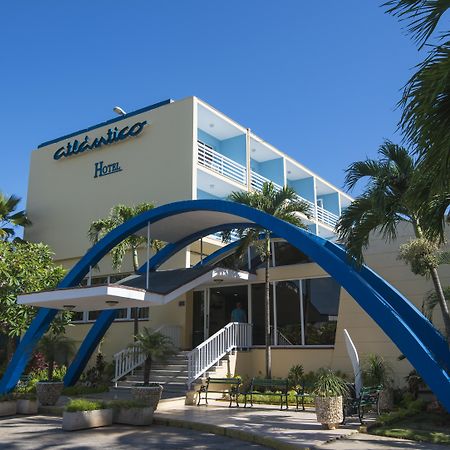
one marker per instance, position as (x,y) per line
(283,204)
(156,347)
(388,199)
(55,348)
(9,218)
(118,215)
(425,102)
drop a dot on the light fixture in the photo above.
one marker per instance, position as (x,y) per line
(212,186)
(211,125)
(119,110)
(289,172)
(111,302)
(218,280)
(69,307)
(235,294)
(253,150)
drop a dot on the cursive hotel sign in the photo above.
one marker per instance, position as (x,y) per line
(113,135)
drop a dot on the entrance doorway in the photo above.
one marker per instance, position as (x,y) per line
(212,310)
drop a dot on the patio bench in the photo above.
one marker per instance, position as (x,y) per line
(270,387)
(368,397)
(228,386)
(302,391)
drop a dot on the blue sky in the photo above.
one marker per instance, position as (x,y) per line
(319,80)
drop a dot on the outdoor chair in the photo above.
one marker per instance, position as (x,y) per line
(367,399)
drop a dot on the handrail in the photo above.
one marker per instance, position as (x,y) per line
(231,336)
(213,160)
(326,217)
(132,356)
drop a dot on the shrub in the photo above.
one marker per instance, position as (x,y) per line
(84,390)
(82,404)
(296,377)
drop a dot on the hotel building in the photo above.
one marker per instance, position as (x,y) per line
(182,150)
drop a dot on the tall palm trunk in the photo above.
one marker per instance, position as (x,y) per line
(442,302)
(438,288)
(267,310)
(135,310)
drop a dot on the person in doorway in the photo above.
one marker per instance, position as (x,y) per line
(238,314)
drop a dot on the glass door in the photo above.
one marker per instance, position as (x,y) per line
(199,333)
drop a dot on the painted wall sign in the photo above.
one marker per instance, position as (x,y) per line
(102,169)
(113,135)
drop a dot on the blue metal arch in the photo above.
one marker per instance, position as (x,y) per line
(402,330)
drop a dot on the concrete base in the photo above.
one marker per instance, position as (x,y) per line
(25,406)
(80,420)
(191,398)
(133,416)
(8,408)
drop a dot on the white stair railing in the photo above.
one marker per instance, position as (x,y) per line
(132,357)
(232,336)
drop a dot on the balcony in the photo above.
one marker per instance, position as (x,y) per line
(212,160)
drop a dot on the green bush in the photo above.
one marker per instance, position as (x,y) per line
(127,404)
(412,408)
(6,398)
(84,390)
(82,404)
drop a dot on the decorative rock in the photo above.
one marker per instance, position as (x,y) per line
(133,416)
(48,392)
(329,411)
(80,420)
(148,394)
(8,408)
(26,406)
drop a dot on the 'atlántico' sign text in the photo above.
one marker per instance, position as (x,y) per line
(113,135)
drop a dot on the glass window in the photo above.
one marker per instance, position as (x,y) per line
(258,313)
(143,313)
(320,309)
(286,254)
(77,316)
(122,314)
(288,313)
(93,315)
(256,261)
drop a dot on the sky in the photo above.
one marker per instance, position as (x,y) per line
(318,80)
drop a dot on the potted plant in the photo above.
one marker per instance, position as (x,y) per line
(8,406)
(377,372)
(55,348)
(26,400)
(329,388)
(131,412)
(80,414)
(156,347)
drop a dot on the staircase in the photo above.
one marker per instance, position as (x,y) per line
(173,375)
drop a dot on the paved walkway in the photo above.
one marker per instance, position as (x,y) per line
(43,432)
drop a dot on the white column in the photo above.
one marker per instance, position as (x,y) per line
(147,272)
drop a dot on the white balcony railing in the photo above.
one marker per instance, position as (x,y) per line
(209,158)
(231,336)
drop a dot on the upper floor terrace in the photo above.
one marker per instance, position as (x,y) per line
(231,157)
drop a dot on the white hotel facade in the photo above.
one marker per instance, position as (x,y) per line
(188,150)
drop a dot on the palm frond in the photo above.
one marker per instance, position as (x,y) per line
(423,15)
(361,169)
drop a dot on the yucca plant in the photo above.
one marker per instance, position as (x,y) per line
(329,384)
(376,371)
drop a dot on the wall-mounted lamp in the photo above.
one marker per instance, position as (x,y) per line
(69,307)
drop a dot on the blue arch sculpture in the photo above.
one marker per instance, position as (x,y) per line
(413,334)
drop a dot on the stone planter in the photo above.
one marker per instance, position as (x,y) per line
(148,394)
(191,398)
(8,408)
(26,406)
(80,420)
(48,392)
(386,400)
(329,411)
(133,416)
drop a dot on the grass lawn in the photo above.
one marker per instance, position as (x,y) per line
(424,426)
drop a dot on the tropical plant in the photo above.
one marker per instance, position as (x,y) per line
(283,204)
(386,201)
(376,371)
(425,120)
(156,347)
(431,301)
(329,384)
(296,377)
(56,348)
(118,215)
(25,267)
(9,217)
